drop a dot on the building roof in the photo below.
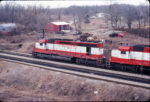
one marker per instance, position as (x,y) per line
(60,23)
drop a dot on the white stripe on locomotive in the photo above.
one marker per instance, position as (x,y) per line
(131,55)
(69,48)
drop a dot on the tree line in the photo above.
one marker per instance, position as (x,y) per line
(35,17)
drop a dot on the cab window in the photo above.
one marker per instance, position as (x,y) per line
(123,52)
(41,44)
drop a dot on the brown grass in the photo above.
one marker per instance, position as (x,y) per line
(26,83)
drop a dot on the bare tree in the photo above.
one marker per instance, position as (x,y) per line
(115,15)
(59,14)
(35,17)
(139,16)
(129,14)
(145,14)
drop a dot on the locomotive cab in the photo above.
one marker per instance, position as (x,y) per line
(41,44)
(123,52)
(133,57)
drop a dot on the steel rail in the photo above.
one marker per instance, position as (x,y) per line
(136,81)
(55,61)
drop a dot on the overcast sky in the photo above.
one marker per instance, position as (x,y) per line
(67,3)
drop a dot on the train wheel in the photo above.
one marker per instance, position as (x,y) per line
(125,67)
(141,69)
(78,61)
(83,62)
(73,60)
(34,54)
(122,66)
(136,69)
(146,70)
(86,62)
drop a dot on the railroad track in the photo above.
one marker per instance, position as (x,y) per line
(80,70)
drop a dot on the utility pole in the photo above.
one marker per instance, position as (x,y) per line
(75,23)
(43,33)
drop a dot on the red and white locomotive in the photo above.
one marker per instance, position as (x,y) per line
(136,56)
(77,51)
(133,57)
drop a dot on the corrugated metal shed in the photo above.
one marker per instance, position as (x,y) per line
(7,26)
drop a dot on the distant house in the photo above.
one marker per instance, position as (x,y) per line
(99,15)
(57,26)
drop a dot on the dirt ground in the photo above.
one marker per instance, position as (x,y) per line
(97,27)
(26,83)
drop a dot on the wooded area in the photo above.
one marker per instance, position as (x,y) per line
(122,16)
